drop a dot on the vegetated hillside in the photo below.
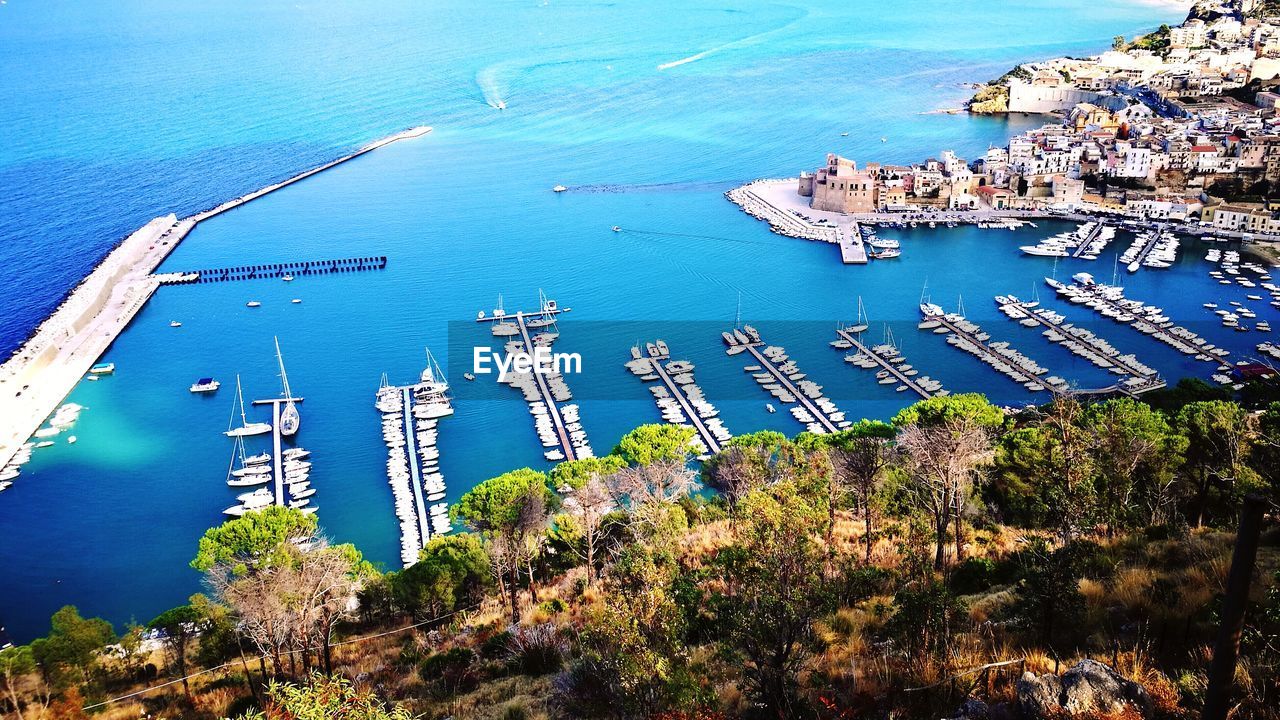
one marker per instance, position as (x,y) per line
(951,563)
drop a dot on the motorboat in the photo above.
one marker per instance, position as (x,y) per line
(174,323)
(253,303)
(103,369)
(205,385)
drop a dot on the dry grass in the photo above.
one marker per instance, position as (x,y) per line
(1131,589)
(990,604)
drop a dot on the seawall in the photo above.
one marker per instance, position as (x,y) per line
(44,370)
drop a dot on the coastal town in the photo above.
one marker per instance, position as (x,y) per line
(1179,126)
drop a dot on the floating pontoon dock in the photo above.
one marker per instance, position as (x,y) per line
(874,357)
(818,413)
(696,412)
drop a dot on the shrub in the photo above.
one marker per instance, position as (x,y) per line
(515,710)
(553,606)
(973,575)
(537,649)
(496,645)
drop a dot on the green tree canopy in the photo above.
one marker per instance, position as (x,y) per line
(940,409)
(258,539)
(650,444)
(451,571)
(576,473)
(179,626)
(498,503)
(69,652)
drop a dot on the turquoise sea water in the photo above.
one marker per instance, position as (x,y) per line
(116,113)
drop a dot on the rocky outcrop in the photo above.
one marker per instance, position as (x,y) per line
(1089,687)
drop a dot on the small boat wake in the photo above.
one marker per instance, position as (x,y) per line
(742,42)
(491,88)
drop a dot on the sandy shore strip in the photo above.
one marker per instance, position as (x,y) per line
(41,373)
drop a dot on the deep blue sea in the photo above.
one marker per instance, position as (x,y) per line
(115,113)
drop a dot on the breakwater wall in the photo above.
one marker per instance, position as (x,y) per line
(36,378)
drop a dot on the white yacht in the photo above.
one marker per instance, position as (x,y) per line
(289,417)
(205,385)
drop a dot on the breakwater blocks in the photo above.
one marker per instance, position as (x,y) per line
(277,270)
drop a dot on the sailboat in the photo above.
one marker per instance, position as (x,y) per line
(246,475)
(431,394)
(861,323)
(246,428)
(289,418)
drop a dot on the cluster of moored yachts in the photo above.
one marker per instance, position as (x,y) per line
(676,402)
(881,248)
(528,383)
(293,486)
(1110,302)
(63,418)
(1151,248)
(1081,342)
(884,356)
(783,379)
(409,429)
(257,470)
(1254,276)
(968,336)
(1085,242)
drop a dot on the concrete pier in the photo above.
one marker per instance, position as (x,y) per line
(554,412)
(852,250)
(415,473)
(1087,241)
(277,462)
(553,408)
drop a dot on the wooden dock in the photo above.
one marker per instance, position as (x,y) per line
(852,250)
(885,364)
(686,405)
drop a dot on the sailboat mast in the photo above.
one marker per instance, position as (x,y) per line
(240,396)
(283,376)
(237,448)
